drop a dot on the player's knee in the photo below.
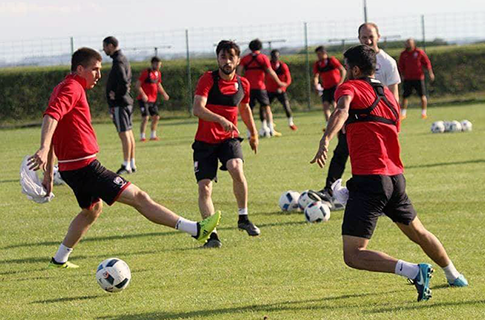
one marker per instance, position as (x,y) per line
(235,168)
(205,189)
(93,212)
(141,197)
(351,257)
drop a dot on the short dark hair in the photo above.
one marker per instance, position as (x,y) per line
(368,24)
(255,45)
(363,57)
(227,45)
(84,56)
(111,40)
(155,59)
(320,49)
(274,52)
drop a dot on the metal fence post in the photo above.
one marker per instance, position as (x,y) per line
(72,46)
(423,31)
(307,62)
(189,75)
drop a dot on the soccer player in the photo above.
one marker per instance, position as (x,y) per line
(370,114)
(149,84)
(328,73)
(283,72)
(388,74)
(411,64)
(120,102)
(255,67)
(219,97)
(68,134)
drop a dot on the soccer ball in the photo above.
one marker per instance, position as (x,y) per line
(438,127)
(466,125)
(57,176)
(113,275)
(307,197)
(289,201)
(264,132)
(447,125)
(455,126)
(317,212)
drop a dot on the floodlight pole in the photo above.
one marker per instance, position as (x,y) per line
(189,75)
(423,32)
(72,45)
(307,62)
(365,11)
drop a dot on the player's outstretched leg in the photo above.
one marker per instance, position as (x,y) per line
(240,188)
(416,232)
(157,213)
(206,207)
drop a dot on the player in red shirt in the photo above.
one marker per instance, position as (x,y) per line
(328,73)
(274,91)
(67,132)
(256,66)
(219,97)
(411,64)
(370,114)
(149,84)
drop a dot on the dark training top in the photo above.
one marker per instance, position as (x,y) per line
(119,81)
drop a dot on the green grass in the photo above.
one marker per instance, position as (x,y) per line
(294,270)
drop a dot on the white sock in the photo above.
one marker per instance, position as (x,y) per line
(290,121)
(243,211)
(127,165)
(142,135)
(153,134)
(187,226)
(451,272)
(62,254)
(132,163)
(403,112)
(264,124)
(271,127)
(406,269)
(423,112)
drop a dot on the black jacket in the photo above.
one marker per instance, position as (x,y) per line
(119,81)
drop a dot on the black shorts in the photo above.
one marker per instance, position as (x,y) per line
(94,182)
(418,85)
(328,95)
(122,118)
(369,197)
(257,95)
(282,97)
(207,154)
(148,108)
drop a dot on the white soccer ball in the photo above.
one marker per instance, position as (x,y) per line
(113,275)
(317,212)
(57,176)
(289,201)
(466,125)
(455,126)
(438,127)
(447,125)
(307,197)
(264,132)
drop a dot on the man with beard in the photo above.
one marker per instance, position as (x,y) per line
(219,96)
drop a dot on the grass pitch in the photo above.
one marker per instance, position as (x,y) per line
(294,270)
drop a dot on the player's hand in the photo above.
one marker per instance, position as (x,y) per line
(322,154)
(144,97)
(254,142)
(48,183)
(111,112)
(279,90)
(431,77)
(166,97)
(38,160)
(112,95)
(228,126)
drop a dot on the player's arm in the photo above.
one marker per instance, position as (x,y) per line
(316,81)
(288,75)
(427,64)
(138,88)
(395,90)
(247,118)
(162,91)
(40,159)
(274,76)
(343,74)
(122,86)
(335,124)
(201,112)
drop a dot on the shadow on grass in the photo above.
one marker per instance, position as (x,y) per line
(82,298)
(442,164)
(95,239)
(9,181)
(264,309)
(425,305)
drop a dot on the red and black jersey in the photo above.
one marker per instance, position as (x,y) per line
(411,64)
(329,72)
(74,139)
(149,80)
(223,98)
(255,65)
(283,72)
(372,128)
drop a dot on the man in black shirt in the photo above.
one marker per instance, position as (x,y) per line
(120,102)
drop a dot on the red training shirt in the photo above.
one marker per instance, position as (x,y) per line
(411,64)
(150,88)
(329,78)
(373,146)
(255,65)
(74,137)
(283,73)
(212,132)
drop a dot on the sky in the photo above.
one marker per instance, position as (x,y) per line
(33,19)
